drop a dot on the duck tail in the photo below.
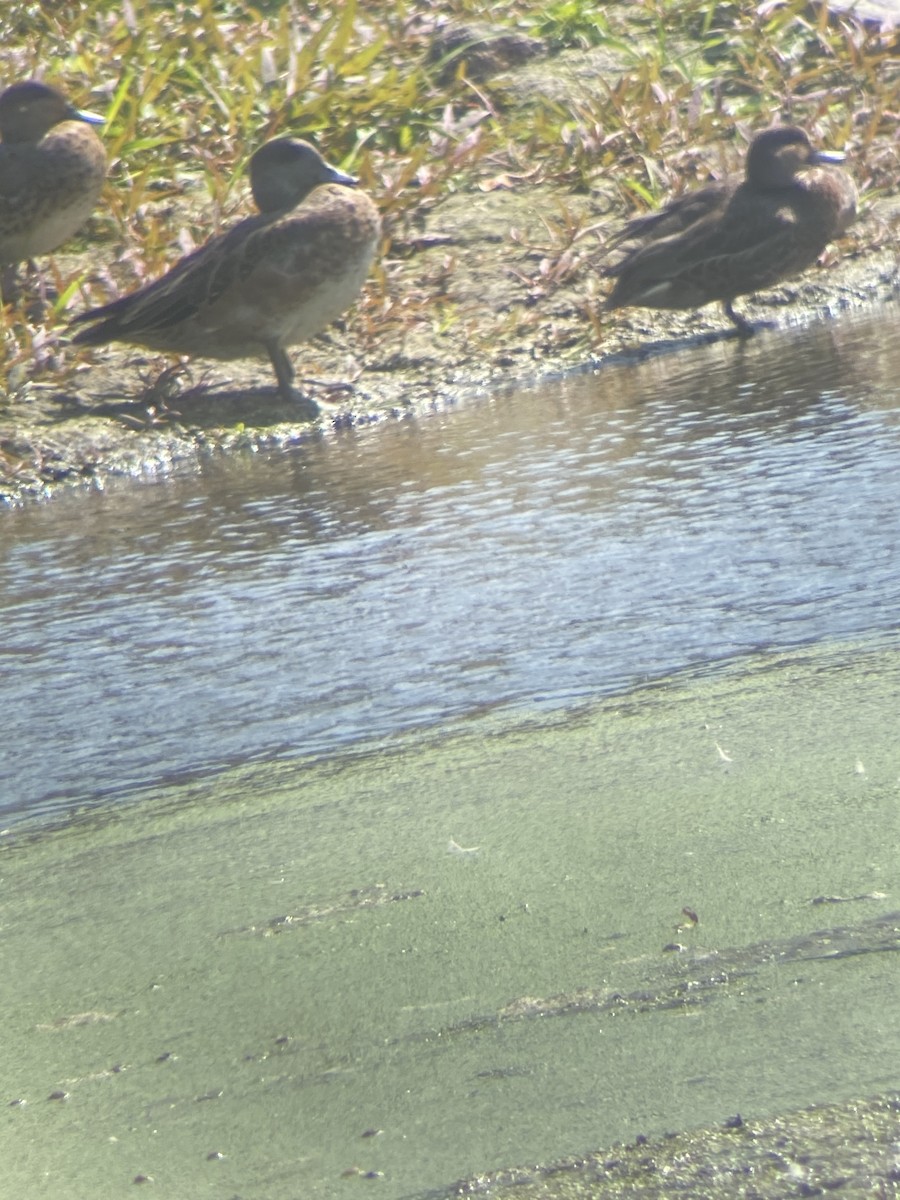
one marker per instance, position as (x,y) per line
(104,325)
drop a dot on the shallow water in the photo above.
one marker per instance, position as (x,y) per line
(532,550)
(436,723)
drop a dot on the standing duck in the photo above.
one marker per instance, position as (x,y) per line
(52,169)
(728,240)
(273,280)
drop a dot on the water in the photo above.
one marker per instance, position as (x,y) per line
(277,948)
(537,549)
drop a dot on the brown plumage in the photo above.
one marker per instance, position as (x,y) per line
(730,239)
(273,280)
(52,168)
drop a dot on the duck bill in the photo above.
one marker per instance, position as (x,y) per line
(336,176)
(79,114)
(823,157)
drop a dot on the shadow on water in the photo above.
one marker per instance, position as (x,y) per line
(520,754)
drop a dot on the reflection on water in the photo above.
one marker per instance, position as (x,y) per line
(539,548)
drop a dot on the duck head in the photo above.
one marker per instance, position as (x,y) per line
(283,172)
(30,109)
(776,155)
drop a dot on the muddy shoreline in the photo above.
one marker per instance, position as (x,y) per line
(489,288)
(130,416)
(847,1149)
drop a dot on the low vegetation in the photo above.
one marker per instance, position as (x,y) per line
(630,100)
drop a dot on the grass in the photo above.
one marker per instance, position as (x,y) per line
(190,93)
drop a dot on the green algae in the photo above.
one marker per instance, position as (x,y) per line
(269,964)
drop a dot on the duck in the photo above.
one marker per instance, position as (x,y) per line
(729,239)
(52,170)
(273,280)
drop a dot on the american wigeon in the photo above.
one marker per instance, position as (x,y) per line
(727,240)
(273,280)
(52,169)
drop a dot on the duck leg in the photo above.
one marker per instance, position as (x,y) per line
(744,327)
(284,373)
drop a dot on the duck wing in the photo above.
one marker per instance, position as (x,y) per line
(676,217)
(738,249)
(182,293)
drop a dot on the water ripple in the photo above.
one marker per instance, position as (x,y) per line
(544,546)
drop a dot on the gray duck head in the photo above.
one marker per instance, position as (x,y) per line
(776,155)
(30,109)
(283,172)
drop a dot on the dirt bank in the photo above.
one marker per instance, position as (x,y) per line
(484,287)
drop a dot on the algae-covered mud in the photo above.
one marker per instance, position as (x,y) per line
(451,956)
(505,145)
